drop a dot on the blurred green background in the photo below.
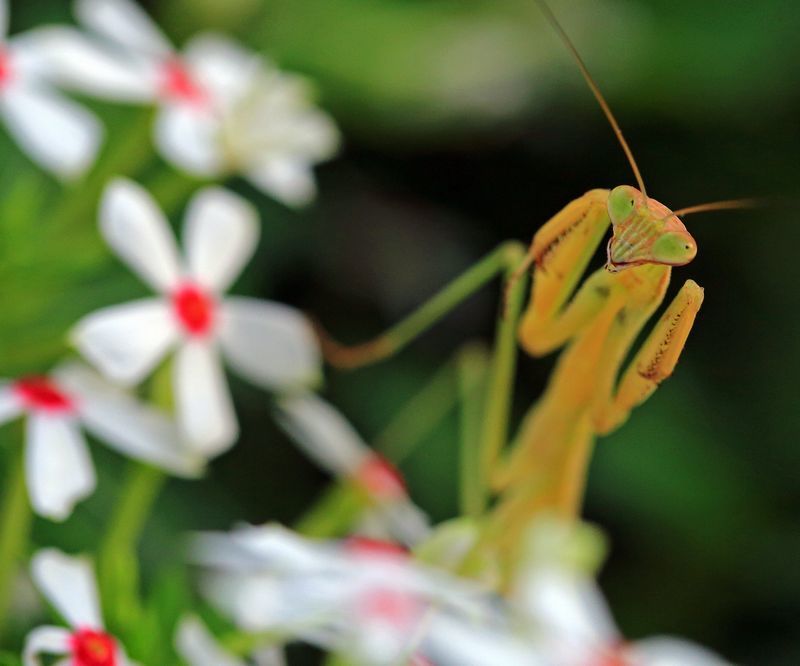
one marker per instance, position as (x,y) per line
(465,124)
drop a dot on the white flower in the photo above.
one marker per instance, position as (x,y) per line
(329,439)
(69,585)
(361,597)
(222,108)
(198,647)
(58,134)
(58,467)
(267,343)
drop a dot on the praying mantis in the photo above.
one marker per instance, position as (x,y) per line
(596,321)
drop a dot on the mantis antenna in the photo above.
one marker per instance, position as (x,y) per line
(731,204)
(551,17)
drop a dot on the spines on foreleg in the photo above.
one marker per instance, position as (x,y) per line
(657,358)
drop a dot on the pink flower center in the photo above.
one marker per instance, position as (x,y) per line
(374,548)
(179,85)
(395,607)
(6,70)
(93,648)
(41,393)
(194,309)
(614,655)
(381,479)
(419,660)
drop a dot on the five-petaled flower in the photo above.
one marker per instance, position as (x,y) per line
(69,585)
(58,468)
(222,109)
(57,133)
(268,343)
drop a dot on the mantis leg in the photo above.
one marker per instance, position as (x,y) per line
(655,360)
(504,259)
(561,250)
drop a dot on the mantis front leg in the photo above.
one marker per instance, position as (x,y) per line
(655,360)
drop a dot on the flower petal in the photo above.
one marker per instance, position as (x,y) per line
(138,232)
(220,236)
(59,134)
(291,181)
(188,136)
(198,647)
(58,467)
(203,402)
(254,548)
(10,406)
(127,341)
(403,521)
(49,640)
(571,610)
(74,61)
(222,66)
(124,23)
(667,651)
(449,642)
(125,424)
(268,343)
(68,583)
(323,433)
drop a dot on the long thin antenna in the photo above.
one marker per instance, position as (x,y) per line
(730,204)
(551,17)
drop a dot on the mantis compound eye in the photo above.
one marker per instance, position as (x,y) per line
(674,248)
(622,201)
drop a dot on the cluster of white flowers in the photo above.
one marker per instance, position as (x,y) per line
(372,602)
(221,108)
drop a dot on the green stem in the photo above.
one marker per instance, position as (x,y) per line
(504,362)
(126,156)
(117,562)
(15,524)
(503,258)
(334,513)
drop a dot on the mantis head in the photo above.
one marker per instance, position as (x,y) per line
(645,232)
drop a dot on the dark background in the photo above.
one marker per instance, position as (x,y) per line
(465,123)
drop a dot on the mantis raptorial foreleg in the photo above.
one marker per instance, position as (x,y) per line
(655,360)
(562,249)
(546,468)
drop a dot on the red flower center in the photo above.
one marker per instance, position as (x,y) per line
(381,479)
(41,393)
(194,309)
(178,84)
(93,648)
